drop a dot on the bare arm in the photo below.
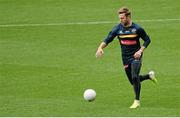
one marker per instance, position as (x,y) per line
(100,51)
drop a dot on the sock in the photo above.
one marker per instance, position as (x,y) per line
(135,69)
(137,88)
(144,77)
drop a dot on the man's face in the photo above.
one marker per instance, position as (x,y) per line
(124,19)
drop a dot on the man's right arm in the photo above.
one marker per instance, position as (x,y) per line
(112,34)
(100,51)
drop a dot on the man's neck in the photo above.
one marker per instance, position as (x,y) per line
(128,24)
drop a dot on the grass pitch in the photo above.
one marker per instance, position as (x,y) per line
(45,69)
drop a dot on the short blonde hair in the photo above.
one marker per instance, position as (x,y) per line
(124,10)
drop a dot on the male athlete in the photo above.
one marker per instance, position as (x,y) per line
(129,35)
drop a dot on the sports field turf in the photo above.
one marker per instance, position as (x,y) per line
(45,68)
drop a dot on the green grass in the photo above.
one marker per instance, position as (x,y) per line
(44,70)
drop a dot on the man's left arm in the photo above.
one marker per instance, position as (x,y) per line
(147,41)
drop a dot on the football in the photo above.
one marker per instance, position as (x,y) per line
(89,95)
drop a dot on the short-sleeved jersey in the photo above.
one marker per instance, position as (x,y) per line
(129,39)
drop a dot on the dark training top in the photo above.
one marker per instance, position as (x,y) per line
(128,39)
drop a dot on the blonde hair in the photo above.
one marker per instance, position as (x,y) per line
(124,10)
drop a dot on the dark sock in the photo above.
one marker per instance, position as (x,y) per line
(137,88)
(144,77)
(136,66)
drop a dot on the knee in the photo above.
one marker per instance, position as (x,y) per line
(135,79)
(131,82)
(135,76)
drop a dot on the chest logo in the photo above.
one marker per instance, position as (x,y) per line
(133,30)
(121,32)
(127,31)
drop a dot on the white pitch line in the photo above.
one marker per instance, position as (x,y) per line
(82,23)
(158,20)
(57,24)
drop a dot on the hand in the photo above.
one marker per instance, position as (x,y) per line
(99,53)
(138,54)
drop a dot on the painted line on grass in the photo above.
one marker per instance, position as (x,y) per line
(82,23)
